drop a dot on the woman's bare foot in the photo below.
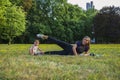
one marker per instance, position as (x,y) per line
(45,37)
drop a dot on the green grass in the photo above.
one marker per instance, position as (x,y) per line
(17,64)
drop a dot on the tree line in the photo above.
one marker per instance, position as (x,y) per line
(107,25)
(21,20)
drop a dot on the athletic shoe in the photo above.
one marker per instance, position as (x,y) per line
(40,35)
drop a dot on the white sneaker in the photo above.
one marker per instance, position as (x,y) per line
(40,35)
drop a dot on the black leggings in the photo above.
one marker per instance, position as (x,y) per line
(67,48)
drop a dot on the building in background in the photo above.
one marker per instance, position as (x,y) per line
(89,5)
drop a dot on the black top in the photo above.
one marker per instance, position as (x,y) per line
(81,48)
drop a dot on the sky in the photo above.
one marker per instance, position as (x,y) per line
(99,4)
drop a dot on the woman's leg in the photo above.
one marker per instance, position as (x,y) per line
(63,52)
(56,52)
(62,44)
(66,46)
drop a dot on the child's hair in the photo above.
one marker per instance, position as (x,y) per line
(37,41)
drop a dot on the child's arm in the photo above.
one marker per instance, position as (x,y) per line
(41,50)
(31,51)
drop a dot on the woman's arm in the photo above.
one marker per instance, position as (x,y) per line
(86,53)
(74,49)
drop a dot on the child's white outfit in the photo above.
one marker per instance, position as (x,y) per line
(35,50)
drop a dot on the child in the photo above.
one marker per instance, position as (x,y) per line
(35,50)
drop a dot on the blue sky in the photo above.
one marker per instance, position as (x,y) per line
(97,3)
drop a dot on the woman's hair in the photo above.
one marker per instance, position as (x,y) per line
(89,40)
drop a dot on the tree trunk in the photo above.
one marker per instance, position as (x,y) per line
(10,41)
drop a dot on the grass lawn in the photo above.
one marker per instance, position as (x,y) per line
(17,64)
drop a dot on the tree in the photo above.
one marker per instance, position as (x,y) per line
(107,25)
(14,22)
(26,4)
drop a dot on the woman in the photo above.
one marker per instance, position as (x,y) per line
(68,49)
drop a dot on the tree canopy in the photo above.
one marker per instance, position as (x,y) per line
(107,25)
(12,21)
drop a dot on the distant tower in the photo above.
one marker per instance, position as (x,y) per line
(89,5)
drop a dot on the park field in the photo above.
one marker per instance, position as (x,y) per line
(17,64)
